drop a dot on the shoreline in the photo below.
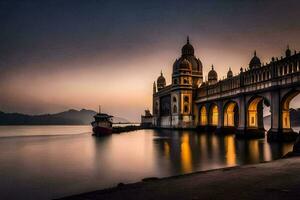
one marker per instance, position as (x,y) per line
(275,179)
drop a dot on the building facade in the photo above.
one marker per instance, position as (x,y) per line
(234,103)
(174,104)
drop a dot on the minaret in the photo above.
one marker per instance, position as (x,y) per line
(154,87)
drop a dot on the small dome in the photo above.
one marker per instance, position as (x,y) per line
(187,49)
(255,62)
(229,73)
(161,81)
(212,74)
(185,65)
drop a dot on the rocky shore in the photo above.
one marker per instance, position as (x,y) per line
(278,179)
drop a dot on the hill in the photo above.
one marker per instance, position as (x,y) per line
(70,117)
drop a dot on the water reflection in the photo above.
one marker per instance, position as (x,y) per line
(188,151)
(47,167)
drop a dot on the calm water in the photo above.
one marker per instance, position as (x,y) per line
(44,162)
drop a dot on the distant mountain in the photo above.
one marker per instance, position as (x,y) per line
(70,117)
(294,115)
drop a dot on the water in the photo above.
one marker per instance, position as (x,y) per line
(46,162)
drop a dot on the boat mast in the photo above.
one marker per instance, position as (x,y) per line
(99,109)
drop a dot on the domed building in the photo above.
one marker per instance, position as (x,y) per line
(173,105)
(212,76)
(189,102)
(254,62)
(187,53)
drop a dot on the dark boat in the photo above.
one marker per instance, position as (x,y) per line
(102,125)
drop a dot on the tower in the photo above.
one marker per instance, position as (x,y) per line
(154,87)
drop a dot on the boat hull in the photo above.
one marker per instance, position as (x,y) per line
(102,131)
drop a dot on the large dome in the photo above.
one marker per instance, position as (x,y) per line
(212,74)
(185,65)
(255,62)
(188,54)
(195,63)
(187,49)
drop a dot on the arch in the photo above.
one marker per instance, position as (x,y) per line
(174,99)
(231,114)
(213,115)
(285,111)
(203,116)
(255,111)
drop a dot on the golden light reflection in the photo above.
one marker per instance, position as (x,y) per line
(167,150)
(186,158)
(254,150)
(230,151)
(267,153)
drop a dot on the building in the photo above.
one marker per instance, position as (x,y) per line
(173,105)
(146,120)
(234,103)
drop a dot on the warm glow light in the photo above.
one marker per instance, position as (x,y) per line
(254,151)
(186,158)
(167,149)
(214,113)
(203,119)
(252,112)
(229,114)
(230,150)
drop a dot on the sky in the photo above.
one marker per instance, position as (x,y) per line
(57,55)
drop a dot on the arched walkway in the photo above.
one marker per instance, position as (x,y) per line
(213,115)
(203,116)
(255,112)
(285,112)
(231,117)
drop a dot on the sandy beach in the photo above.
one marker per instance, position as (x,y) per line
(278,179)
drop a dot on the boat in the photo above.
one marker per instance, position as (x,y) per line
(103,124)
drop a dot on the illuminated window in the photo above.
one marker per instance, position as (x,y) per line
(203,120)
(214,115)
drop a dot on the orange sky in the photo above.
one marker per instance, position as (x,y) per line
(58,56)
